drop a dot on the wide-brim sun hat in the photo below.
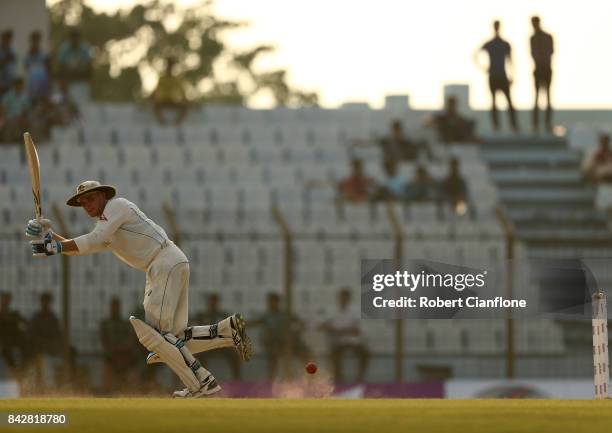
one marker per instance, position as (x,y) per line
(90,186)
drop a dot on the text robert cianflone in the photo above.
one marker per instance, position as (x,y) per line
(412,281)
(437,302)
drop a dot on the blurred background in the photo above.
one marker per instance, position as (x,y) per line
(281,144)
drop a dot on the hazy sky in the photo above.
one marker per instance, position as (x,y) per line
(362,50)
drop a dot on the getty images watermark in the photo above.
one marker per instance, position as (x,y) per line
(423,289)
(458,282)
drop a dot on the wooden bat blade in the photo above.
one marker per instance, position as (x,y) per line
(34,166)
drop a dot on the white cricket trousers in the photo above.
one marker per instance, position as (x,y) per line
(166,289)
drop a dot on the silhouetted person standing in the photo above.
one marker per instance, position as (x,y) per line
(8,61)
(346,334)
(499,51)
(13,328)
(542,50)
(45,340)
(119,351)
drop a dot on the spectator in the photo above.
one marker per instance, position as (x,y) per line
(170,93)
(214,314)
(452,126)
(281,335)
(35,55)
(394,185)
(399,148)
(45,330)
(74,59)
(345,335)
(64,109)
(36,65)
(8,61)
(119,350)
(13,328)
(46,339)
(454,189)
(542,49)
(499,52)
(357,187)
(597,166)
(74,65)
(57,110)
(14,112)
(423,187)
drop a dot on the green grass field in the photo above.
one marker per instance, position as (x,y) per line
(151,415)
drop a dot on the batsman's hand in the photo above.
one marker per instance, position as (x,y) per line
(47,246)
(38,229)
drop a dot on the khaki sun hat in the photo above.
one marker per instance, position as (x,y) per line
(90,186)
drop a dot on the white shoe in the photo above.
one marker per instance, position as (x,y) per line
(208,387)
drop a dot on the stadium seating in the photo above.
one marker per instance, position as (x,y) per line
(221,174)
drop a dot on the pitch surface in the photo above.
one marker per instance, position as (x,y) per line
(153,415)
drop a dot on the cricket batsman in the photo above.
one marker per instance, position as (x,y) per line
(122,228)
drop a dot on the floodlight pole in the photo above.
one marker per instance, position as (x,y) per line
(287,284)
(398,255)
(59,217)
(508,228)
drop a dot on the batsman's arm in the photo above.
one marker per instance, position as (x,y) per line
(53,244)
(59,237)
(69,247)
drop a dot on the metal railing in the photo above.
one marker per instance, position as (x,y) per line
(288,239)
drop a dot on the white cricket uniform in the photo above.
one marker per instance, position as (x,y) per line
(346,320)
(138,241)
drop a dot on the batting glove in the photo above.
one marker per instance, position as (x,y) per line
(37,229)
(46,246)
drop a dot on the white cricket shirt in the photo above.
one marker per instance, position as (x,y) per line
(343,321)
(127,232)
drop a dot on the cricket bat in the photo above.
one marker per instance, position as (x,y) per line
(34,166)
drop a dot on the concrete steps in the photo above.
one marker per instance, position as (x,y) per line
(543,193)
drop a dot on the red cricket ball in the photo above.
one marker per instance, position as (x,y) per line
(311,368)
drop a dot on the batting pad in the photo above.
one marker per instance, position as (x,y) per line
(168,353)
(202,338)
(198,346)
(200,372)
(224,328)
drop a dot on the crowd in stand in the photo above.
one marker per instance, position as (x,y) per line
(451,126)
(44,95)
(26,344)
(283,337)
(33,351)
(597,165)
(40,99)
(450,192)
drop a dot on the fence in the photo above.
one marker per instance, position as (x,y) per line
(308,269)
